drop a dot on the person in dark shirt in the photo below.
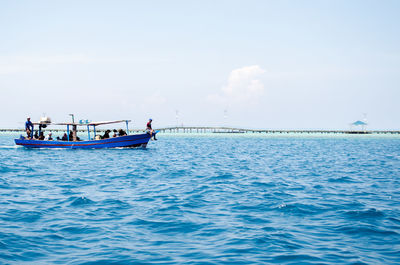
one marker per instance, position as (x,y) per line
(29,128)
(41,136)
(121,132)
(150,130)
(106,134)
(71,136)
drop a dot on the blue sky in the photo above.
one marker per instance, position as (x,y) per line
(259,64)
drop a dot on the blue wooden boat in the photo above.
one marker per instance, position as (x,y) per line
(133,140)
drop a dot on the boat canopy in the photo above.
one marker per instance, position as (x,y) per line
(83,124)
(357,123)
(44,123)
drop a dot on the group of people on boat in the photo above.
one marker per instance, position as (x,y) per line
(116,133)
(49,136)
(29,128)
(41,136)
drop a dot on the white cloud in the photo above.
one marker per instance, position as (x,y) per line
(243,86)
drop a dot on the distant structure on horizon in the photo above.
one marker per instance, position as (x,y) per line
(358,124)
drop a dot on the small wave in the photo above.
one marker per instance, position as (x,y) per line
(115,203)
(341,180)
(264,184)
(10,146)
(394,220)
(169,227)
(81,201)
(116,261)
(367,214)
(194,203)
(80,230)
(241,251)
(300,209)
(222,176)
(366,231)
(54,236)
(169,209)
(259,207)
(211,232)
(5,169)
(22,216)
(294,258)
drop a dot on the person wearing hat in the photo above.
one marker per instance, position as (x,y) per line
(149,130)
(29,127)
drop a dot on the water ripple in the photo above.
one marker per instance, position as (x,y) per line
(203,200)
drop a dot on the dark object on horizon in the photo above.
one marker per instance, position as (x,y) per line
(358,132)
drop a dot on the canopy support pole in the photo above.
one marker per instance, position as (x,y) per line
(88,132)
(127,129)
(68,132)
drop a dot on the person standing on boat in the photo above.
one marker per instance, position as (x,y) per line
(29,127)
(150,130)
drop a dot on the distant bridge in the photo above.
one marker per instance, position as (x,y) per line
(201,129)
(210,129)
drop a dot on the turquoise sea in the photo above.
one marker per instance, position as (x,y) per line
(204,199)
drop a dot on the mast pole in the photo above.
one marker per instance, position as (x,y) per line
(127,129)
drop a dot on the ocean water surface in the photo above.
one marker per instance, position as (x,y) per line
(204,199)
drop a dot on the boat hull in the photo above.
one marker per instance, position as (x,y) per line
(135,140)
